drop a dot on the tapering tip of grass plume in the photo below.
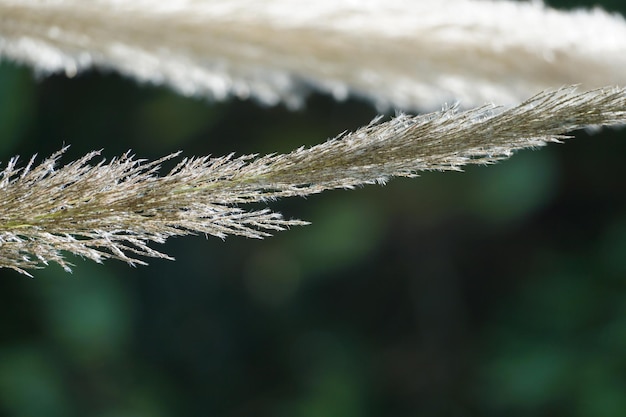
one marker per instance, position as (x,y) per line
(99,210)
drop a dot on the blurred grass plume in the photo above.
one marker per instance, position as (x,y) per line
(401,55)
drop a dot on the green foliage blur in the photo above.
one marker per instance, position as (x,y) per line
(498,291)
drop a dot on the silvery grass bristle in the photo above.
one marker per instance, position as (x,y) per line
(399,54)
(99,210)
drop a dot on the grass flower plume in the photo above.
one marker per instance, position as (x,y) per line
(99,210)
(408,55)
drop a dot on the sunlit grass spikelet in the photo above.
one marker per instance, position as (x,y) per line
(115,209)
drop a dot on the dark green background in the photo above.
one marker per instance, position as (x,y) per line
(500,291)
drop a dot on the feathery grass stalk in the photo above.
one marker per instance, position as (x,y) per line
(115,209)
(408,55)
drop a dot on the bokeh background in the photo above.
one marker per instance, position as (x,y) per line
(498,291)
